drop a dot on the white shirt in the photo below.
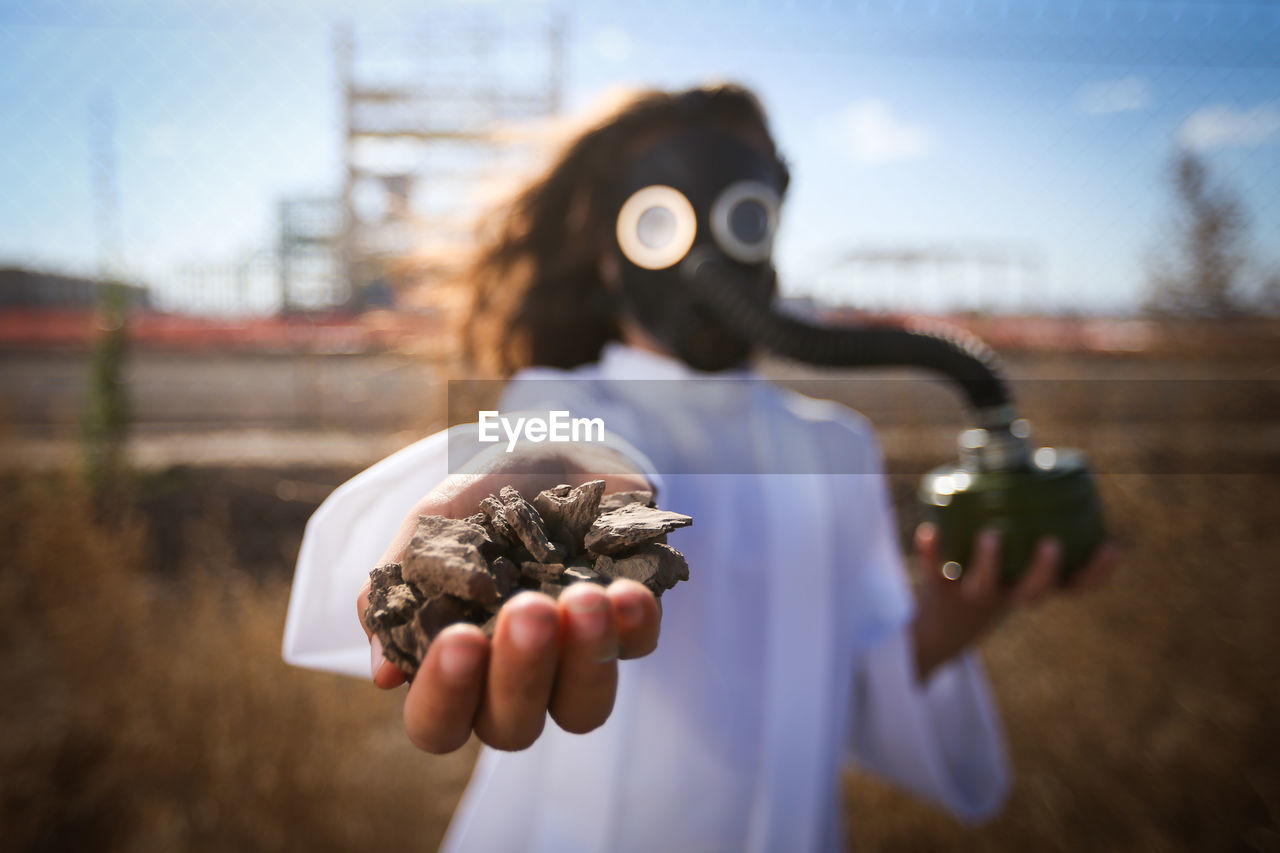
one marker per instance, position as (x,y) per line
(786,653)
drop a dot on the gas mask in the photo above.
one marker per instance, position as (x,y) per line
(695,227)
(706,193)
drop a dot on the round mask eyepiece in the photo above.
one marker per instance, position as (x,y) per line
(656,227)
(744,219)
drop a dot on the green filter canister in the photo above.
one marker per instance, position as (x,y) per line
(1053,495)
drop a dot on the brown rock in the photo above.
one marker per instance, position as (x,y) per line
(617,500)
(444,557)
(559,553)
(632,525)
(569,512)
(388,574)
(390,612)
(491,508)
(524,521)
(591,575)
(400,646)
(441,612)
(584,560)
(461,530)
(506,574)
(656,566)
(497,543)
(542,571)
(391,600)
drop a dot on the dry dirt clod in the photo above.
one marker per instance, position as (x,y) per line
(491,508)
(591,575)
(441,612)
(392,601)
(617,500)
(444,557)
(402,648)
(630,526)
(525,522)
(542,571)
(496,544)
(507,575)
(657,566)
(569,512)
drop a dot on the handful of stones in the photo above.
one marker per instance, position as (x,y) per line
(462,570)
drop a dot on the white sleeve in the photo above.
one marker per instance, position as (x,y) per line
(941,740)
(344,540)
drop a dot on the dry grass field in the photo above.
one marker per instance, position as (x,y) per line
(146,708)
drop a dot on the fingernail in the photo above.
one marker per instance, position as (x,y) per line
(460,661)
(590,615)
(630,614)
(1050,549)
(532,630)
(375,655)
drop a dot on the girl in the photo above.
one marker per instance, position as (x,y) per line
(796,645)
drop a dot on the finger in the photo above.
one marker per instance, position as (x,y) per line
(443,699)
(386,674)
(981,580)
(1098,569)
(587,677)
(521,672)
(927,546)
(637,616)
(1042,574)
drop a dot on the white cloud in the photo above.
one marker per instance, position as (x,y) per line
(870,133)
(1113,96)
(612,44)
(1223,126)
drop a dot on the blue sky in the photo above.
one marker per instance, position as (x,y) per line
(1036,129)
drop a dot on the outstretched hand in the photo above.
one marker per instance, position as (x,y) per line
(954,612)
(547,656)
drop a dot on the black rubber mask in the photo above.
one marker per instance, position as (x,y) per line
(697,191)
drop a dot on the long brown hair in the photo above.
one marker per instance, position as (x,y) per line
(537,293)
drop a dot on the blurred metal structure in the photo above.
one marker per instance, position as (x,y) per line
(238,288)
(308,259)
(422,108)
(935,278)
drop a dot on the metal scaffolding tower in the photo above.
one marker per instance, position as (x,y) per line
(421,111)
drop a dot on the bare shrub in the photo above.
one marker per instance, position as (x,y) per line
(1200,273)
